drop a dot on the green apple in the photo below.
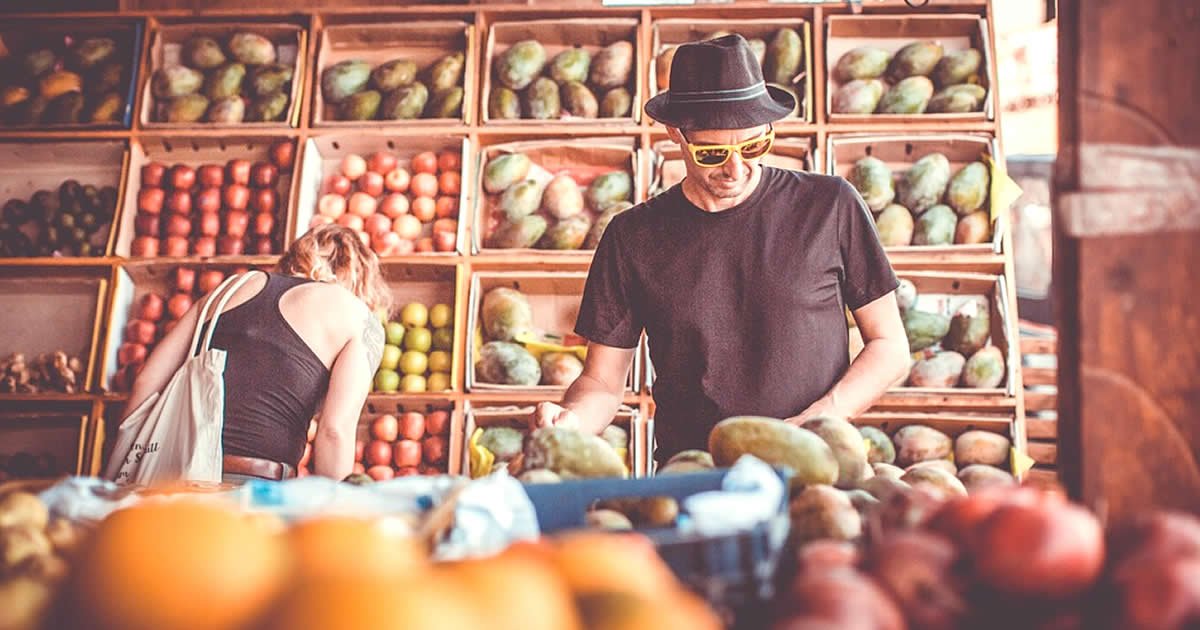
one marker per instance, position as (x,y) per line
(439,315)
(414,315)
(387,381)
(443,339)
(394,332)
(391,357)
(413,384)
(414,362)
(418,339)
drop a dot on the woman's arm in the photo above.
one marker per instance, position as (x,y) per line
(165,360)
(349,383)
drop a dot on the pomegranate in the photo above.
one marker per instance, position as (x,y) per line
(846,597)
(917,569)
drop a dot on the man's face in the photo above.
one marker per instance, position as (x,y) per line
(729,180)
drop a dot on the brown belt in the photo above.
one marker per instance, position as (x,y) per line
(255,467)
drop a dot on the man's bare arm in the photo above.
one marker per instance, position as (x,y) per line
(592,400)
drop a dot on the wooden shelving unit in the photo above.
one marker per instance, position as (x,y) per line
(315,14)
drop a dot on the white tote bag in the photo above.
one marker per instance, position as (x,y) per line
(175,434)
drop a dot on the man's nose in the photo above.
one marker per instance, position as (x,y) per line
(734,166)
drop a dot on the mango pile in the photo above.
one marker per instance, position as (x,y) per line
(532,208)
(394,90)
(507,315)
(782,59)
(920,78)
(576,83)
(926,205)
(548,455)
(238,80)
(954,351)
(64,81)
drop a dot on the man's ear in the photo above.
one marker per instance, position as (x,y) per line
(674,135)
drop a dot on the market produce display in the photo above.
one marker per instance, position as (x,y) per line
(75,220)
(417,355)
(506,317)
(51,372)
(227,82)
(922,77)
(955,350)
(80,78)
(394,90)
(397,207)
(781,57)
(527,206)
(540,457)
(213,210)
(576,83)
(410,443)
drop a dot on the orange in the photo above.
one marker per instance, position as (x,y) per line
(512,585)
(427,602)
(671,610)
(337,546)
(181,564)
(595,562)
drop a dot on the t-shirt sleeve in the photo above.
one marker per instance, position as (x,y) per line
(609,312)
(868,273)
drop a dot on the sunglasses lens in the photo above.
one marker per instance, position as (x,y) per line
(711,157)
(758,149)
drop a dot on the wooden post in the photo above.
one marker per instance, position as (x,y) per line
(1126,253)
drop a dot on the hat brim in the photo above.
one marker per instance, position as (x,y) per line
(776,104)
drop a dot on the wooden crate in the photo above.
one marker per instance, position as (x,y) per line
(516,416)
(424,42)
(900,152)
(378,405)
(556,36)
(58,435)
(582,158)
(955,425)
(429,285)
(665,160)
(892,32)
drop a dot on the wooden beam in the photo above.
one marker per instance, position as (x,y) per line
(1041,428)
(1036,345)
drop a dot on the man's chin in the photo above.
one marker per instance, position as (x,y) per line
(727,191)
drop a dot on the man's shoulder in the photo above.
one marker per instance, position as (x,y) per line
(641,215)
(815,184)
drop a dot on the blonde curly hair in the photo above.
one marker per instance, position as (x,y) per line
(332,253)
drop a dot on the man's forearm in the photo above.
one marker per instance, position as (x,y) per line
(593,402)
(881,363)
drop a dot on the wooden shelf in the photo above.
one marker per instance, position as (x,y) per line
(49,261)
(47,397)
(8,134)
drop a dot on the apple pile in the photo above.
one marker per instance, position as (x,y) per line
(396,209)
(212,210)
(411,444)
(408,364)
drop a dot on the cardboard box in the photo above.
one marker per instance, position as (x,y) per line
(195,152)
(668,169)
(27,167)
(379,405)
(554,298)
(892,32)
(900,152)
(582,158)
(423,42)
(56,438)
(166,47)
(675,31)
(323,154)
(516,417)
(592,34)
(52,311)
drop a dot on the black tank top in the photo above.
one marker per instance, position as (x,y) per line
(273,380)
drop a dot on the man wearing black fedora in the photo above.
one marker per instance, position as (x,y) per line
(739,274)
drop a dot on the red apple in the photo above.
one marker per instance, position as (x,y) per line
(210,176)
(238,172)
(437,422)
(444,241)
(263,246)
(130,353)
(150,200)
(176,246)
(397,180)
(236,197)
(180,202)
(338,184)
(381,473)
(331,205)
(236,223)
(424,245)
(377,224)
(394,205)
(264,222)
(378,453)
(406,453)
(362,204)
(381,162)
(318,220)
(385,428)
(434,449)
(178,305)
(178,225)
(408,471)
(263,200)
(209,280)
(151,307)
(412,426)
(353,166)
(208,224)
(384,243)
(352,221)
(144,246)
(364,238)
(146,224)
(183,177)
(208,200)
(359,445)
(264,175)
(283,154)
(205,246)
(140,331)
(359,470)
(230,246)
(184,279)
(371,183)
(404,247)
(407,226)
(152,174)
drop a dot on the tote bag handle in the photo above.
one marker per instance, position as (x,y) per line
(237,282)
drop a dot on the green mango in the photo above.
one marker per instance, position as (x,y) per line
(405,103)
(936,226)
(612,65)
(880,449)
(973,229)
(505,363)
(504,170)
(522,233)
(906,294)
(173,81)
(873,180)
(269,108)
(616,103)
(864,62)
(981,448)
(269,79)
(785,52)
(344,78)
(362,105)
(777,443)
(107,109)
(968,333)
(504,104)
(252,49)
(446,104)
(64,109)
(985,369)
(570,65)
(188,108)
(968,189)
(572,454)
(227,110)
(38,62)
(567,234)
(562,197)
(203,53)
(941,370)
(915,59)
(506,314)
(924,183)
(518,66)
(225,81)
(542,101)
(447,72)
(958,66)
(609,188)
(616,436)
(504,442)
(578,100)
(601,224)
(910,96)
(895,226)
(848,447)
(92,52)
(105,79)
(521,200)
(860,96)
(924,329)
(393,74)
(957,99)
(560,369)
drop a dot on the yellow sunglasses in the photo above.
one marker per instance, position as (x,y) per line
(714,155)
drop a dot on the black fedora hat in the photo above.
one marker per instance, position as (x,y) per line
(718,84)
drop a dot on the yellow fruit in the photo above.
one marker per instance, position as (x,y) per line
(413,384)
(391,357)
(414,315)
(336,546)
(413,362)
(419,339)
(439,361)
(387,381)
(595,562)
(511,584)
(58,83)
(423,600)
(439,315)
(439,382)
(443,339)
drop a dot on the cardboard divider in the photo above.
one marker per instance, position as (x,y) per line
(900,152)
(554,298)
(322,154)
(582,158)
(516,416)
(54,312)
(423,42)
(891,33)
(195,152)
(667,168)
(54,439)
(675,31)
(592,34)
(166,46)
(27,167)
(380,405)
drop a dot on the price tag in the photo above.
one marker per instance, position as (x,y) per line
(1004,191)
(1021,463)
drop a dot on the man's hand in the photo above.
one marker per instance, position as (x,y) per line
(549,414)
(824,407)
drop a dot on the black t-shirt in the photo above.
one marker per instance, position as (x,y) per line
(744,308)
